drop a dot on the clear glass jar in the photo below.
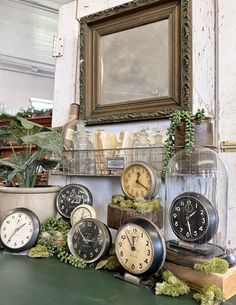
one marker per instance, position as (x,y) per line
(84,154)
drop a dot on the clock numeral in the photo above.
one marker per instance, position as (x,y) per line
(121,253)
(91,254)
(194,233)
(134,230)
(148,252)
(176,223)
(84,256)
(177,209)
(120,244)
(203,220)
(123,236)
(201,212)
(22,242)
(140,266)
(4,228)
(141,235)
(126,260)
(15,244)
(147,243)
(89,224)
(133,266)
(181,230)
(200,228)
(8,221)
(96,250)
(187,234)
(146,261)
(5,235)
(27,237)
(182,203)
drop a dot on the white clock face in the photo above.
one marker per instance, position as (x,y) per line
(17,230)
(134,249)
(82,211)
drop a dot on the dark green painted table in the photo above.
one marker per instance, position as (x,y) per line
(25,281)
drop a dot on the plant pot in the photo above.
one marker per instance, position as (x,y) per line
(203,134)
(41,200)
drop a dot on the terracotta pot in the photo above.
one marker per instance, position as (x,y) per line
(203,134)
(41,200)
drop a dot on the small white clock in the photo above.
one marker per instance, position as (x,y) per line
(19,230)
(82,211)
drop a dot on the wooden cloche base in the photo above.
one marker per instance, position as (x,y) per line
(226,282)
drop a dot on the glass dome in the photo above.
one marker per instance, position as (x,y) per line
(196,190)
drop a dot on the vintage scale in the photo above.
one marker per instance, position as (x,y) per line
(196,207)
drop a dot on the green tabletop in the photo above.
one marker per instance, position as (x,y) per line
(30,281)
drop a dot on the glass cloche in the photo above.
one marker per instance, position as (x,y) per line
(196,206)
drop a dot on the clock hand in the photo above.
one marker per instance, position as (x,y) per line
(189,227)
(16,230)
(131,244)
(84,239)
(192,214)
(141,184)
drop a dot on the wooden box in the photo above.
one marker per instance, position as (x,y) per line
(226,282)
(117,216)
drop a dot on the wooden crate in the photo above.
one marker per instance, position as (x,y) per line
(226,282)
(117,216)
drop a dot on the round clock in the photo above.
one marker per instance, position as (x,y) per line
(19,230)
(140,248)
(193,218)
(71,196)
(139,179)
(89,239)
(82,211)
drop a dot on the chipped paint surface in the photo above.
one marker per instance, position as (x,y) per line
(203,41)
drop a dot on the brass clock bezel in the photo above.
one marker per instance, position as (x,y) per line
(154,177)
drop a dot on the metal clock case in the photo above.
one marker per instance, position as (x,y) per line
(140,247)
(139,179)
(196,204)
(19,230)
(82,211)
(71,196)
(89,239)
(193,218)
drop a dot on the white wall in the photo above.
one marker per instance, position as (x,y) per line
(16,88)
(26,62)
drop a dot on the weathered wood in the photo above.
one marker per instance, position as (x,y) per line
(117,216)
(226,282)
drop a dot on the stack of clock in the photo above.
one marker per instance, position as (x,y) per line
(140,247)
(89,238)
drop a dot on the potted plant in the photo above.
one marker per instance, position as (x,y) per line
(186,130)
(22,167)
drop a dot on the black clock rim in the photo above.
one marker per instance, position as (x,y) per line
(76,185)
(211,213)
(106,242)
(159,248)
(154,181)
(35,234)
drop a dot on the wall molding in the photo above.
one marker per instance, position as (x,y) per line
(15,64)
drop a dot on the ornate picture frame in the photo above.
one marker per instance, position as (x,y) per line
(135,61)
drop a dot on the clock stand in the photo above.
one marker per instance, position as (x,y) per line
(147,282)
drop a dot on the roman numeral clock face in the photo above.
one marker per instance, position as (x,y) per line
(193,218)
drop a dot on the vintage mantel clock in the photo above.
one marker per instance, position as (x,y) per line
(140,179)
(70,196)
(140,247)
(19,230)
(196,207)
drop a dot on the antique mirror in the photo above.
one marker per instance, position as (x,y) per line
(135,61)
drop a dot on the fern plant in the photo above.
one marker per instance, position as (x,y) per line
(176,118)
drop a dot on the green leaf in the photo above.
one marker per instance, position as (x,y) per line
(50,141)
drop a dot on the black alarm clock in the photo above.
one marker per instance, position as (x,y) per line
(140,247)
(193,218)
(71,196)
(89,239)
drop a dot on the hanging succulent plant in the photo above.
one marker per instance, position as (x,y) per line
(189,120)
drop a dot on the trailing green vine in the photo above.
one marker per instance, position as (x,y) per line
(176,118)
(53,238)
